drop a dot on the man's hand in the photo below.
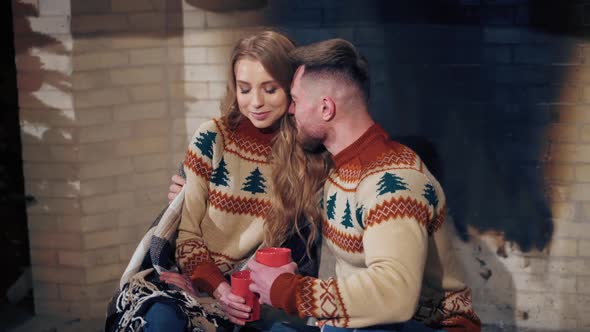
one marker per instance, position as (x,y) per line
(179,280)
(234,306)
(177,183)
(264,276)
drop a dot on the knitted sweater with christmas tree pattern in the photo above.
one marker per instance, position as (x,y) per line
(384,219)
(226,200)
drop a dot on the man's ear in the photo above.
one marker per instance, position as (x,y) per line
(328,108)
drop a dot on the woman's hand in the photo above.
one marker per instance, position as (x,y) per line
(233,305)
(179,280)
(175,187)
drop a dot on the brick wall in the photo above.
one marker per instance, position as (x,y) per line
(493,95)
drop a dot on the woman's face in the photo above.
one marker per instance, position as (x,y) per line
(260,98)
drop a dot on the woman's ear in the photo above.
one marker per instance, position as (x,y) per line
(328,108)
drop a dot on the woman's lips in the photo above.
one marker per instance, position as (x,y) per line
(260,115)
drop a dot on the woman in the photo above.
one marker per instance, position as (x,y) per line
(225,211)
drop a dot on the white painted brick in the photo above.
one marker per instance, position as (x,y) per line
(131,5)
(89,258)
(207,38)
(158,179)
(41,223)
(219,55)
(99,222)
(143,216)
(94,116)
(104,273)
(585,212)
(97,204)
(101,97)
(36,153)
(205,73)
(47,25)
(217,90)
(150,127)
(149,21)
(190,91)
(148,93)
(579,192)
(55,7)
(199,109)
(85,44)
(569,267)
(151,197)
(32,134)
(100,186)
(584,284)
(143,75)
(140,111)
(94,292)
(64,153)
(58,275)
(97,152)
(53,240)
(105,168)
(44,188)
(150,162)
(234,19)
(99,23)
(148,56)
(43,256)
(90,80)
(28,64)
(69,224)
(584,248)
(563,248)
(539,282)
(564,132)
(570,153)
(114,131)
(133,41)
(101,60)
(565,211)
(126,251)
(133,147)
(574,114)
(54,206)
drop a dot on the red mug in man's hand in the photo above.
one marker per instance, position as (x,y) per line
(273,257)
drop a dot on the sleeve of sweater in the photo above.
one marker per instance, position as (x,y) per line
(192,254)
(387,289)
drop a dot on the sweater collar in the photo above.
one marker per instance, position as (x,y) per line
(247,129)
(374,133)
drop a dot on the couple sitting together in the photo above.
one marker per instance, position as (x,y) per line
(295,158)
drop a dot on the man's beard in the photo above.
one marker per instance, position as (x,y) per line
(308,142)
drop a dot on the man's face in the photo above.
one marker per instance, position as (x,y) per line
(306,109)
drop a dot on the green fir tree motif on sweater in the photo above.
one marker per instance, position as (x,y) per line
(255,182)
(219,175)
(330,207)
(391,183)
(359,215)
(430,195)
(205,143)
(347,219)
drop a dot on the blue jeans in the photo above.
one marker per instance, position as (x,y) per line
(409,326)
(164,317)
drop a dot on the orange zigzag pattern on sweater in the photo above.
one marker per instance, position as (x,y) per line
(398,207)
(400,156)
(238,205)
(328,296)
(197,165)
(347,242)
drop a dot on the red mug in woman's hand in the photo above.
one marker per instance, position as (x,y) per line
(240,285)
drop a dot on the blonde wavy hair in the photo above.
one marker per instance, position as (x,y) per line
(297,176)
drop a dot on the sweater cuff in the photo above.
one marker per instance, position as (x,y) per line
(207,277)
(283,293)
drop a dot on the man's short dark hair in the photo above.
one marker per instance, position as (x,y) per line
(337,59)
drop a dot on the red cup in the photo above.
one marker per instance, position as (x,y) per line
(273,257)
(240,282)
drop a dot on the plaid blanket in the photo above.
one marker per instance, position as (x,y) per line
(140,287)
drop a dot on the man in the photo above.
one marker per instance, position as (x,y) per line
(384,215)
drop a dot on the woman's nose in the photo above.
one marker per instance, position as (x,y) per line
(257,99)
